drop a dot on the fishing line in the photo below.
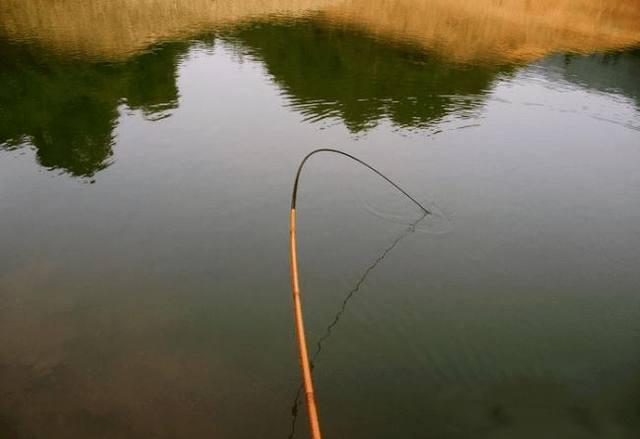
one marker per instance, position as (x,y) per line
(305,366)
(338,315)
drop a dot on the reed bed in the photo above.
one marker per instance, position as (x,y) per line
(494,30)
(115,29)
(499,30)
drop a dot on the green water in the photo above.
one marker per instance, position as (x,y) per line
(144,287)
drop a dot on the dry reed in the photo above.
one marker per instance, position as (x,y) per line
(502,30)
(114,29)
(496,30)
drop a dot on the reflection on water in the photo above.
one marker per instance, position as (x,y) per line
(332,72)
(120,28)
(480,30)
(616,72)
(154,302)
(68,110)
(498,30)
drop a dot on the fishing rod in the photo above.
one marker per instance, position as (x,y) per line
(336,318)
(312,410)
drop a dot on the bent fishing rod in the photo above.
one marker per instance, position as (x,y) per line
(312,410)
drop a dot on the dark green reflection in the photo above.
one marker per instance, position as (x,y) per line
(612,72)
(328,71)
(68,109)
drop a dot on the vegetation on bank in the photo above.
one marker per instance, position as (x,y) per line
(488,30)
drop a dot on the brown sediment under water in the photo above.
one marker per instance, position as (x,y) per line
(147,152)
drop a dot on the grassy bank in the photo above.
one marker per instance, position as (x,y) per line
(490,30)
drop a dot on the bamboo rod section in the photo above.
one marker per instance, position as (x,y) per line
(305,366)
(314,423)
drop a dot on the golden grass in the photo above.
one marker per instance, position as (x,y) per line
(511,30)
(114,29)
(466,30)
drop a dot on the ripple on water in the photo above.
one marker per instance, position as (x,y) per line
(434,222)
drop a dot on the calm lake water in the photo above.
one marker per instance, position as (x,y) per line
(144,283)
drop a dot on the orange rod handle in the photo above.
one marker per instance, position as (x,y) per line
(314,423)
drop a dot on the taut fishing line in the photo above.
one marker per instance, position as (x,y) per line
(305,365)
(338,315)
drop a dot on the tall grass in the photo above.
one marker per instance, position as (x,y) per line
(117,28)
(511,30)
(501,30)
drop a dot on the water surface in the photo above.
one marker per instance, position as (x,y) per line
(144,193)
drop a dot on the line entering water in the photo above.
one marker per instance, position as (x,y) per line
(336,319)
